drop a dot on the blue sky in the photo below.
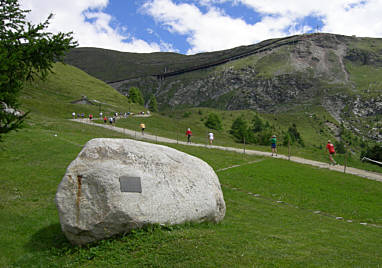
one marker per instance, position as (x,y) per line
(194,26)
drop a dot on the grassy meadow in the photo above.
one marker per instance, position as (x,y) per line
(271,203)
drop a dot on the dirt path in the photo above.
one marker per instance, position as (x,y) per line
(138,135)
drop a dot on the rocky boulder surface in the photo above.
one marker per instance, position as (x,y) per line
(116,185)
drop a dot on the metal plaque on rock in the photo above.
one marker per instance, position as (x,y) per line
(130,184)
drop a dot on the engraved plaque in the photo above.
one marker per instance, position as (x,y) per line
(130,184)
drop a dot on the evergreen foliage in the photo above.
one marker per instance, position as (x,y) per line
(213,122)
(374,153)
(261,131)
(153,104)
(241,131)
(26,51)
(295,135)
(258,124)
(135,96)
(339,147)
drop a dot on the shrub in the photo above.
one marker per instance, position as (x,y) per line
(374,153)
(213,122)
(186,114)
(135,96)
(340,147)
(258,124)
(153,105)
(295,135)
(240,130)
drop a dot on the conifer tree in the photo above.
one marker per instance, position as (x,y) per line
(153,105)
(135,96)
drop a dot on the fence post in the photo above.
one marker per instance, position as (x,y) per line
(345,162)
(244,146)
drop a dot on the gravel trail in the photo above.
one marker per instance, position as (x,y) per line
(137,134)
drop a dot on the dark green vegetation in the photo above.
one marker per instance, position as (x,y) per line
(26,51)
(374,153)
(135,96)
(342,74)
(257,231)
(213,121)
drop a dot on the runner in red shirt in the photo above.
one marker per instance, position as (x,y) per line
(330,149)
(188,134)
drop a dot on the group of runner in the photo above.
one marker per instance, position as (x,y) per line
(210,136)
(273,140)
(329,149)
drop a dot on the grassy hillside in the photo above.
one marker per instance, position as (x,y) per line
(109,65)
(52,98)
(279,226)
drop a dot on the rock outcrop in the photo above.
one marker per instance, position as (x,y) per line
(116,185)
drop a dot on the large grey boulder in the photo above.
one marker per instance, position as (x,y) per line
(115,185)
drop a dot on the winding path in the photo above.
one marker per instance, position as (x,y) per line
(358,172)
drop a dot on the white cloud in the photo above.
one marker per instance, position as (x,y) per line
(90,25)
(215,30)
(346,17)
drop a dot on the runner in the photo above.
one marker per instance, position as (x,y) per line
(188,134)
(74,115)
(210,137)
(143,126)
(105,119)
(273,145)
(331,151)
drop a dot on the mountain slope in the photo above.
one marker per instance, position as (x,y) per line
(54,97)
(341,73)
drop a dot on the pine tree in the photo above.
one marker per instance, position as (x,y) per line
(239,129)
(153,105)
(213,121)
(135,96)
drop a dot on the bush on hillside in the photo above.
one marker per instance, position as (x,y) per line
(295,135)
(153,104)
(263,137)
(286,138)
(240,130)
(339,147)
(213,122)
(135,96)
(258,124)
(187,114)
(374,153)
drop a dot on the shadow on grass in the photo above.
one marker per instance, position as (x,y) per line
(47,238)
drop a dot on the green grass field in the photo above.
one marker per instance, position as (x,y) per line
(278,228)
(255,231)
